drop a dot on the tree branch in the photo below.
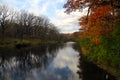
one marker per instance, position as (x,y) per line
(89,10)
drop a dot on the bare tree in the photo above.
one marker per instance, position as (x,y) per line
(26,25)
(4,16)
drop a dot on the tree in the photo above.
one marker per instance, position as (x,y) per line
(92,5)
(5,15)
(24,25)
(100,18)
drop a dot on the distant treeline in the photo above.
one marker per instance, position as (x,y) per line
(24,25)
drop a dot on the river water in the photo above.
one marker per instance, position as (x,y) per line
(48,62)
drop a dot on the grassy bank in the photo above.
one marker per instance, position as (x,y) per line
(108,62)
(11,43)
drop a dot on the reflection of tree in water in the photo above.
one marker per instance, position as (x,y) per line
(21,61)
(89,71)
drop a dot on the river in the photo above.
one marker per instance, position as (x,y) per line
(48,62)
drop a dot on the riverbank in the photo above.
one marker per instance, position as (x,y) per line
(18,43)
(115,72)
(103,50)
(95,72)
(105,66)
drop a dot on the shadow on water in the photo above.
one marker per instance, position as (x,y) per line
(90,71)
(48,62)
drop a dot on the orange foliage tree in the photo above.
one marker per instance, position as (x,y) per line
(100,17)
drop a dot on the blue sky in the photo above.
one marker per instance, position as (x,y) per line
(53,9)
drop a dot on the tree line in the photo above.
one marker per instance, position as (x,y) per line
(24,25)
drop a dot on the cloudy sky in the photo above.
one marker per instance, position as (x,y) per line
(53,9)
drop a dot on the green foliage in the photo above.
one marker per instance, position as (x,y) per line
(108,52)
(12,42)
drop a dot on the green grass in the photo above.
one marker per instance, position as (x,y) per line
(11,42)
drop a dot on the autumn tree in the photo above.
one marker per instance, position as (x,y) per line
(100,30)
(100,18)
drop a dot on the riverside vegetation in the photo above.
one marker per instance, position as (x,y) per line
(99,35)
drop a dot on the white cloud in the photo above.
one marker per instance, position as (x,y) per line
(44,7)
(67,23)
(34,8)
(60,1)
(39,8)
(70,59)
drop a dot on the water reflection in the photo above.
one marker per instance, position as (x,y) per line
(51,62)
(48,62)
